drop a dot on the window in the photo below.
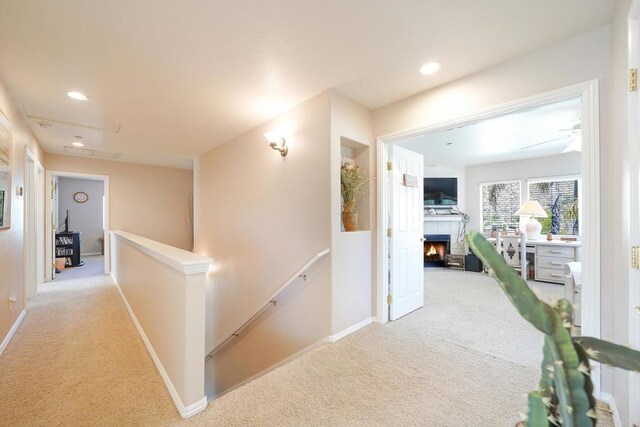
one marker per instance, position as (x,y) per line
(560,198)
(499,203)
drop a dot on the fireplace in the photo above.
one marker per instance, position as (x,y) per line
(436,246)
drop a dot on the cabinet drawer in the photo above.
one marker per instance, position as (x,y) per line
(556,251)
(549,275)
(552,262)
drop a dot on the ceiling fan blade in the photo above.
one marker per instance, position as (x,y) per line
(573,129)
(544,142)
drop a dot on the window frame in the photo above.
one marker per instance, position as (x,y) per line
(556,178)
(481,197)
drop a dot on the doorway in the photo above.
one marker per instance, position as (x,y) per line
(78,215)
(589,216)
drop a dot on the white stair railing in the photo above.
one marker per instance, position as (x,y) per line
(271,301)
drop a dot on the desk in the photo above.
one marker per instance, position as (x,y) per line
(550,257)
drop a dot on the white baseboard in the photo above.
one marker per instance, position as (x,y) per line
(185,411)
(14,328)
(352,329)
(609,400)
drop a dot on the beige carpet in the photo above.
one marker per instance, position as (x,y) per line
(93,266)
(77,360)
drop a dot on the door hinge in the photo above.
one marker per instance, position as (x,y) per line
(635,257)
(389,299)
(389,232)
(389,166)
(633,79)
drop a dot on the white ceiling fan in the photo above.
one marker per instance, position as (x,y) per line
(574,139)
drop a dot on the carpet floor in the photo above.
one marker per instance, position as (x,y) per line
(78,360)
(93,266)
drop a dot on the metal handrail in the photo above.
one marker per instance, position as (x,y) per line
(272,300)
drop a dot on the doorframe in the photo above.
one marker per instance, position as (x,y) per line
(49,206)
(633,105)
(40,227)
(33,233)
(590,169)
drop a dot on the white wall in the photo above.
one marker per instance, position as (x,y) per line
(518,170)
(85,218)
(164,290)
(261,217)
(12,239)
(150,201)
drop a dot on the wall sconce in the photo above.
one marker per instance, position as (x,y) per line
(278,143)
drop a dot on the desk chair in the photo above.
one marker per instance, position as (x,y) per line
(573,289)
(514,250)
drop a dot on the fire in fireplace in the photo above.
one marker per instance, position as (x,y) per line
(435,248)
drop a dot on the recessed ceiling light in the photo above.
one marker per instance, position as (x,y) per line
(77,96)
(77,144)
(430,68)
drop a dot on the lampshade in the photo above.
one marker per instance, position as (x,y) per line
(532,208)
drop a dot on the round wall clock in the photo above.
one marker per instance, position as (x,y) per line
(80,197)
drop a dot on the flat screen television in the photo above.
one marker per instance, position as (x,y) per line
(440,192)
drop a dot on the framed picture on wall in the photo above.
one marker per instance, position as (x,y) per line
(5,172)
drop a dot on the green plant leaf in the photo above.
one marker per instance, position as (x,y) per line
(610,353)
(538,412)
(586,372)
(569,383)
(539,314)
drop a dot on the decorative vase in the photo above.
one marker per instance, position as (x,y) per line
(349,216)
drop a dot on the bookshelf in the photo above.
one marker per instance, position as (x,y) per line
(68,247)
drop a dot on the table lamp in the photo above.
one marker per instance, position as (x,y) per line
(532,209)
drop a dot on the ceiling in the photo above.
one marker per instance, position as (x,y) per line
(168,80)
(516,136)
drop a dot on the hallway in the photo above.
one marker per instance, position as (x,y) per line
(78,359)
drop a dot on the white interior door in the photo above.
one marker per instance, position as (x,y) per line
(407,223)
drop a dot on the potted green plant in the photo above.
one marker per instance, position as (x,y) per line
(565,392)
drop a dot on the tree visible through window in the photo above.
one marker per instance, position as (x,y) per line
(560,199)
(500,202)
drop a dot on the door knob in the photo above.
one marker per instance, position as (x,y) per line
(422,239)
(637,307)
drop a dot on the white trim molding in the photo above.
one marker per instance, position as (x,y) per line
(352,329)
(185,411)
(184,261)
(12,331)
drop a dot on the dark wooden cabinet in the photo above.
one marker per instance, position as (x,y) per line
(68,247)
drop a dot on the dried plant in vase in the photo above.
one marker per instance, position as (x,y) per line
(353,182)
